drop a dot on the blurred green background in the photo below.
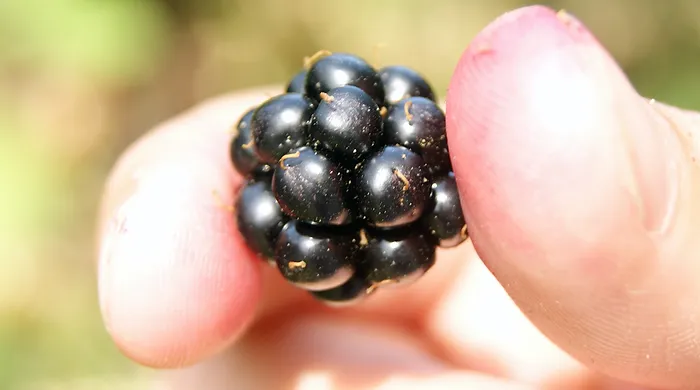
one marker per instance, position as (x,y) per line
(81,79)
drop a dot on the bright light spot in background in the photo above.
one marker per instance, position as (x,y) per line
(315,381)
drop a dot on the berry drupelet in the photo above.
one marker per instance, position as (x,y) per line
(348,293)
(242,153)
(315,258)
(419,124)
(397,256)
(279,125)
(392,187)
(401,82)
(331,71)
(259,218)
(311,188)
(445,221)
(346,122)
(296,84)
(350,185)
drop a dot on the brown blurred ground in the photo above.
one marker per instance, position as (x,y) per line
(81,79)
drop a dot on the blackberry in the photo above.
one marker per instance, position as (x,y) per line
(401,82)
(349,181)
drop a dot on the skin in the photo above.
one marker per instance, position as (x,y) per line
(582,204)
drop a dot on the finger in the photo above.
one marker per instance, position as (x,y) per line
(175,282)
(478,326)
(151,275)
(579,196)
(330,353)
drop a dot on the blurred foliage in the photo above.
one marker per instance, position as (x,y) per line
(81,79)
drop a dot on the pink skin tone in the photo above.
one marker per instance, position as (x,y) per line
(573,187)
(176,282)
(577,193)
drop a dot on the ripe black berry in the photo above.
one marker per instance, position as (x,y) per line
(348,293)
(259,218)
(279,125)
(296,84)
(393,187)
(419,124)
(242,150)
(315,258)
(446,220)
(340,69)
(350,185)
(310,187)
(346,122)
(401,82)
(394,257)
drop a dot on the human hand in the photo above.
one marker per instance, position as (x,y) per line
(581,198)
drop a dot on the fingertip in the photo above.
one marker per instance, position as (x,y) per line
(570,183)
(532,127)
(175,287)
(176,283)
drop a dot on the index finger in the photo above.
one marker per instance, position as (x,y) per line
(175,283)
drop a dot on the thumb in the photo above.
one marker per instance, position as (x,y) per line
(582,197)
